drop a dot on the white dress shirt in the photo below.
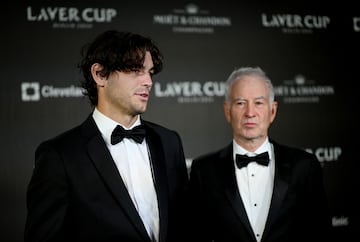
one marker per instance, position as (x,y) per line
(255,183)
(133,162)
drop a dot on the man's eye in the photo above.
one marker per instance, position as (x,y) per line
(138,71)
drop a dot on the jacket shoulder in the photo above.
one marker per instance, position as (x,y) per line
(160,129)
(292,151)
(73,136)
(213,157)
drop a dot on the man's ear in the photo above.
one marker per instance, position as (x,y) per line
(273,111)
(96,69)
(226,108)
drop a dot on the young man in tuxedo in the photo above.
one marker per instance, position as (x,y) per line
(256,189)
(115,177)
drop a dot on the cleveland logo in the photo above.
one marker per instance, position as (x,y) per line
(30,91)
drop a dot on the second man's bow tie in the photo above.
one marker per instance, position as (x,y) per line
(119,133)
(244,160)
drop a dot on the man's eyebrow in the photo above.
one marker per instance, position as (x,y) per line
(239,99)
(260,97)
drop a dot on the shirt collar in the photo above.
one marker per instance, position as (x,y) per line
(265,147)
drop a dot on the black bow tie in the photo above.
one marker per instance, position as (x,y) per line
(244,160)
(137,134)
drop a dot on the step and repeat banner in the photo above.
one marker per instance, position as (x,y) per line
(310,51)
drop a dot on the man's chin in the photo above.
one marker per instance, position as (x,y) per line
(141,110)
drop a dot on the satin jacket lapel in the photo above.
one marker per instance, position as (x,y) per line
(158,164)
(104,163)
(231,189)
(282,172)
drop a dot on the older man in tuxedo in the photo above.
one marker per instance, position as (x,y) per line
(256,189)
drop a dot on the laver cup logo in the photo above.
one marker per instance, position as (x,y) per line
(30,91)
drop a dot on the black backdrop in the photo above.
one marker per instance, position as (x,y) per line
(310,51)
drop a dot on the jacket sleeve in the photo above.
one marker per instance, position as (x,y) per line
(47,197)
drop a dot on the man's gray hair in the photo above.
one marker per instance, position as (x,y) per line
(241,72)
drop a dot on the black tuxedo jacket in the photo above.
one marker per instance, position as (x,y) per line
(298,210)
(76,192)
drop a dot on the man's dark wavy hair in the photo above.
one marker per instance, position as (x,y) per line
(116,51)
